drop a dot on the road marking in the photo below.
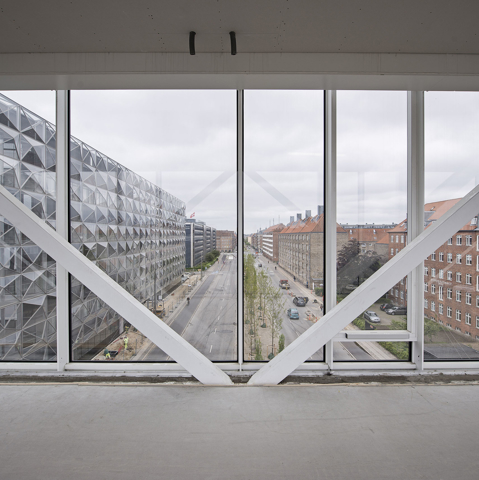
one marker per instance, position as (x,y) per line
(211,348)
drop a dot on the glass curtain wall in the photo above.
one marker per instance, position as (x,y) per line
(153,204)
(371,212)
(27,274)
(283,219)
(451,273)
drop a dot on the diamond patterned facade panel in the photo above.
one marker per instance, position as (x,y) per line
(132,229)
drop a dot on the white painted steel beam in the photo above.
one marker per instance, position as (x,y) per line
(330,168)
(110,292)
(239,220)
(415,220)
(367,293)
(62,225)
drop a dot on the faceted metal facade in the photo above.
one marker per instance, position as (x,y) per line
(130,228)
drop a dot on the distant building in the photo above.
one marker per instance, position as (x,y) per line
(301,249)
(225,240)
(367,235)
(200,240)
(269,242)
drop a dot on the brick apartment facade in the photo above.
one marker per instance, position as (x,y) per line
(451,274)
(301,249)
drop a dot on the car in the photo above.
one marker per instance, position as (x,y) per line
(397,311)
(300,301)
(386,306)
(293,313)
(260,264)
(371,316)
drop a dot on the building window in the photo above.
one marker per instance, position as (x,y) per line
(469,240)
(426,303)
(458,315)
(433,288)
(449,312)
(449,258)
(449,242)
(477,323)
(441,256)
(458,277)
(433,272)
(458,295)
(397,251)
(458,258)
(397,238)
(441,290)
(441,309)
(449,275)
(441,273)
(468,259)
(459,240)
(402,295)
(433,256)
(426,287)
(449,293)
(433,306)
(402,238)
(468,319)
(468,298)
(392,251)
(468,279)
(426,270)
(395,293)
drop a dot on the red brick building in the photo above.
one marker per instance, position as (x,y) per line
(269,241)
(451,274)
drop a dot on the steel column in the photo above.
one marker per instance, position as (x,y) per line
(330,200)
(415,219)
(239,219)
(62,224)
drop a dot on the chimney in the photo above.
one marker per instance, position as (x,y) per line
(320,209)
(298,216)
(291,219)
(308,213)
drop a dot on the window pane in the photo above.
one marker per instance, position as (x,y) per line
(451,330)
(371,211)
(27,273)
(153,187)
(284,220)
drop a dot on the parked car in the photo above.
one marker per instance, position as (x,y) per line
(386,306)
(293,313)
(397,311)
(260,264)
(300,301)
(371,316)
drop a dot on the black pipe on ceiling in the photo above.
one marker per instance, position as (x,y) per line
(192,43)
(233,43)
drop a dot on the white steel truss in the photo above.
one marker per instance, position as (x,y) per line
(334,321)
(110,292)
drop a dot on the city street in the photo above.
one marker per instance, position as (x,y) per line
(209,321)
(292,329)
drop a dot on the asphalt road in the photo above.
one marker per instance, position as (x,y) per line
(292,329)
(209,321)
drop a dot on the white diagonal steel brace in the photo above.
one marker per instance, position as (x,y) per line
(365,295)
(110,292)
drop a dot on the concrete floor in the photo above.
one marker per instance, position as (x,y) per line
(351,432)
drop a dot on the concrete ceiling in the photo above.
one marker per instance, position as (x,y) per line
(261,26)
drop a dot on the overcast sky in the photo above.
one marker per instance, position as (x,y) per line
(185,141)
